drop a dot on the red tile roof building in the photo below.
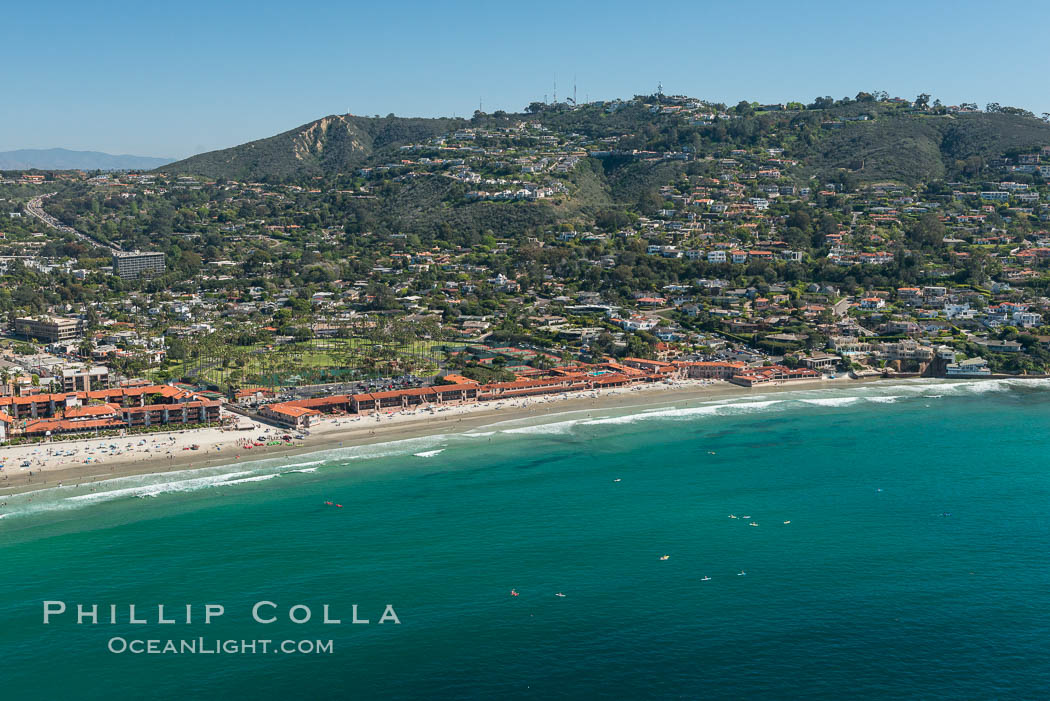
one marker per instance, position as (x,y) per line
(109,409)
(773,374)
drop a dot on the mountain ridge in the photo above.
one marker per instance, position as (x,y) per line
(332,143)
(69,159)
(873,140)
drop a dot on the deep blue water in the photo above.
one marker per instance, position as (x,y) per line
(870,591)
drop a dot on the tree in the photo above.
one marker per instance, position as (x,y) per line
(800,219)
(638,346)
(1017,111)
(972,166)
(922,102)
(927,231)
(650,201)
(602,345)
(612,219)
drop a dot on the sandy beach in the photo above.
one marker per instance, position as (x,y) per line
(75,462)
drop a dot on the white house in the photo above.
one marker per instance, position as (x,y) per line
(1027,319)
(958,311)
(973,366)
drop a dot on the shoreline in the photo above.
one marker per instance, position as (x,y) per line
(162,453)
(165,452)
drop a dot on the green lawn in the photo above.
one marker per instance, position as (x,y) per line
(308,362)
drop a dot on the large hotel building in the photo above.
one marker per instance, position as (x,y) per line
(135,264)
(49,329)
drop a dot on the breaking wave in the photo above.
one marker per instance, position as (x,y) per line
(836,398)
(156,489)
(825,398)
(556,428)
(832,401)
(157,484)
(305,464)
(687,412)
(256,478)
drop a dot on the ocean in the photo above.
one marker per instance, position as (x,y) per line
(901,551)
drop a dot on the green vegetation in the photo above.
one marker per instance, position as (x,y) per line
(336,143)
(357,247)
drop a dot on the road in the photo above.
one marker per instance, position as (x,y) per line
(35,208)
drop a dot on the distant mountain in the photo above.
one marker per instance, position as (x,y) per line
(64,159)
(333,144)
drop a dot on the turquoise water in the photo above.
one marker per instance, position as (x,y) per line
(870,592)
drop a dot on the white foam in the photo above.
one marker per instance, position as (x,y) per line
(747,407)
(148,486)
(406,446)
(378,452)
(256,478)
(964,387)
(832,401)
(935,389)
(305,464)
(740,399)
(429,453)
(556,428)
(150,490)
(687,412)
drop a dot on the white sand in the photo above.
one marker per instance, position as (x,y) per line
(162,451)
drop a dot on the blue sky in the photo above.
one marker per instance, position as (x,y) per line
(177,78)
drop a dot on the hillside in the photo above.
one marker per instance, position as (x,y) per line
(65,159)
(918,148)
(332,144)
(873,140)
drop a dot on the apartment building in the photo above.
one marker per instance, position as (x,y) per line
(50,329)
(85,379)
(135,264)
